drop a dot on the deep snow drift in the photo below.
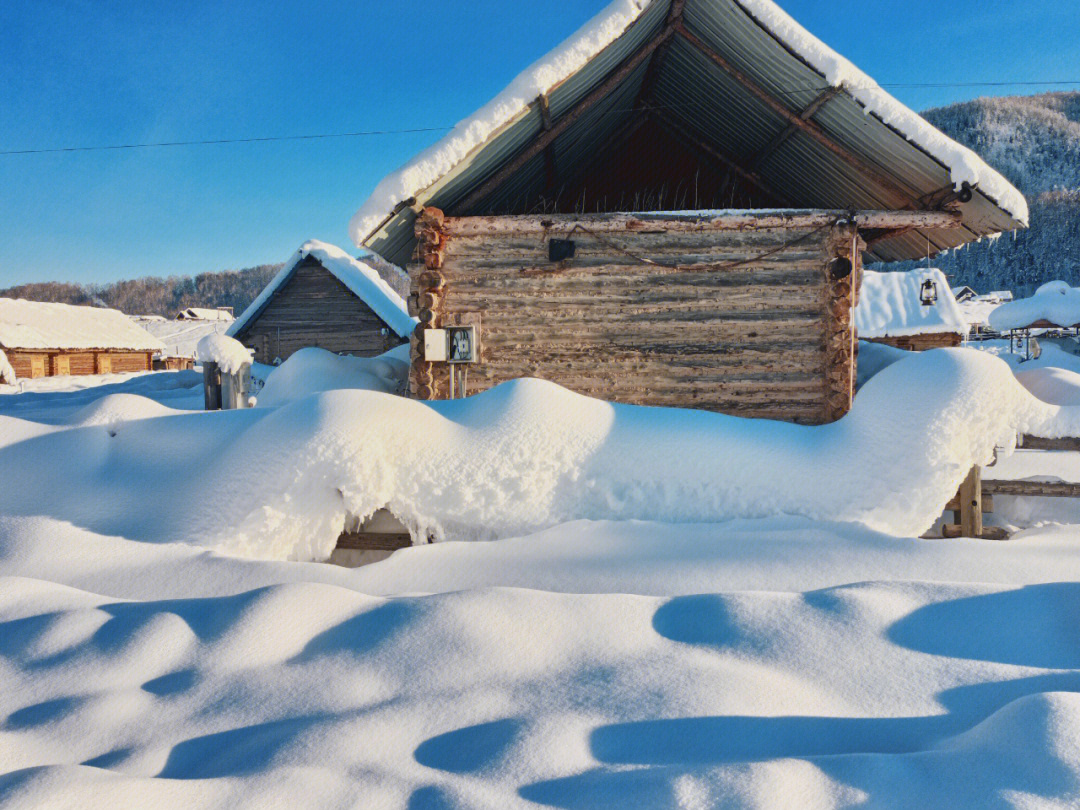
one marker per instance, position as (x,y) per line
(756,663)
(279,482)
(1054,301)
(312,370)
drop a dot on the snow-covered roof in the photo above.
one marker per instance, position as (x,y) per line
(181,337)
(359,275)
(204,314)
(890,305)
(39,325)
(1053,303)
(740,75)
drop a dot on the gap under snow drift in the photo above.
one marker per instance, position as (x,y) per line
(278,483)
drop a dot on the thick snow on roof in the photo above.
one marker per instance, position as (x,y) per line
(358,275)
(38,325)
(230,355)
(569,57)
(890,306)
(1054,301)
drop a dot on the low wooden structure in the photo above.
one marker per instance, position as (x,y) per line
(747,313)
(47,339)
(326,299)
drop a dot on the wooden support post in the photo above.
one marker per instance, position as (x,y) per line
(971,523)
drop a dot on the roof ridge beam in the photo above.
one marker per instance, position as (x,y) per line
(807,126)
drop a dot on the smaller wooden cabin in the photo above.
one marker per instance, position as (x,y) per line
(326,298)
(45,339)
(913,310)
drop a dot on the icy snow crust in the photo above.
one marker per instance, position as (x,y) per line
(230,355)
(355,274)
(279,482)
(1054,301)
(37,325)
(440,158)
(890,306)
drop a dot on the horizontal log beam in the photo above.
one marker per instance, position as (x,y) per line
(1046,489)
(1029,442)
(792,218)
(374,541)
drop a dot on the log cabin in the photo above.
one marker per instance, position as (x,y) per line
(913,310)
(46,339)
(770,169)
(323,297)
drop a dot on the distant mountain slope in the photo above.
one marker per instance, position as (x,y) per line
(158,296)
(1035,142)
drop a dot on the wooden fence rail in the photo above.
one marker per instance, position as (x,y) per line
(976,494)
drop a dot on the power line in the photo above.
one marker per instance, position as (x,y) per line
(271,139)
(225,140)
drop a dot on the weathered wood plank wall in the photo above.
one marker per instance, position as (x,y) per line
(313,308)
(743,319)
(52,362)
(920,343)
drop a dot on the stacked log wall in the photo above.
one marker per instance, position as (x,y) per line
(745,320)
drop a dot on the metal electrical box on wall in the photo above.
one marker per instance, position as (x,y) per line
(435,345)
(461,344)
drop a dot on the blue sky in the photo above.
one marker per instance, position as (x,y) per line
(76,73)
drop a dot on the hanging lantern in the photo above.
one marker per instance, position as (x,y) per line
(928,293)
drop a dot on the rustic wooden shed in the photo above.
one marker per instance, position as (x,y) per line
(46,339)
(769,166)
(323,297)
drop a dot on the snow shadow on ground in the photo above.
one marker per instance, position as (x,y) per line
(1033,626)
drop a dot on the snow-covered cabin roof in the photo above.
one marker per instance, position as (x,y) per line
(204,314)
(890,305)
(39,325)
(1053,304)
(359,275)
(740,83)
(963,293)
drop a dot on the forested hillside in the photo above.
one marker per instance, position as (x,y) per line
(157,296)
(1035,142)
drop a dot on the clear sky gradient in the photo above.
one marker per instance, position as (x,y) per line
(89,72)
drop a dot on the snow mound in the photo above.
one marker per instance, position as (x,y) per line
(1054,301)
(278,483)
(114,408)
(890,305)
(230,355)
(1058,386)
(312,370)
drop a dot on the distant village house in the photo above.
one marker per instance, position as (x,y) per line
(326,298)
(43,340)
